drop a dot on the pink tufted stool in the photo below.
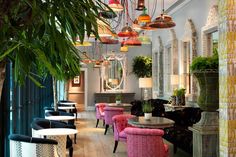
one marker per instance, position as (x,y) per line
(145,142)
(100,112)
(109,112)
(120,122)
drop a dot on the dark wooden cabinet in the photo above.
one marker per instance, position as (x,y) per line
(111,97)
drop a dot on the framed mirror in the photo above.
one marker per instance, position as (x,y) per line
(113,73)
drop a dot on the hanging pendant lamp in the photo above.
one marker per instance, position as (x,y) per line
(104,30)
(127,31)
(133,41)
(115,5)
(144,39)
(109,41)
(162,21)
(140,5)
(144,17)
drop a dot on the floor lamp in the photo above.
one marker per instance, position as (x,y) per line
(145,83)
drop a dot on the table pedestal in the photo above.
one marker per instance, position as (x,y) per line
(206,135)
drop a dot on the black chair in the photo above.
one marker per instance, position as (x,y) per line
(26,146)
(71,111)
(40,123)
(71,123)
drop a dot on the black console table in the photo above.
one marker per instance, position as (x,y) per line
(110,97)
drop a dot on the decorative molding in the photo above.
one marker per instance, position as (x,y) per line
(190,36)
(177,6)
(210,27)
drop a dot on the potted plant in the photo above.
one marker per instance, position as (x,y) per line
(118,99)
(147,109)
(142,66)
(205,69)
(179,95)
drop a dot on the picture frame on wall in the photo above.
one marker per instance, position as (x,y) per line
(76,81)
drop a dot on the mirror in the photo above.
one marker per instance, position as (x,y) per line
(113,72)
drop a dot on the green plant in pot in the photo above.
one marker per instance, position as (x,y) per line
(118,99)
(147,110)
(179,95)
(205,69)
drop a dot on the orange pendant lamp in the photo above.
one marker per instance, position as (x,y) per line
(109,41)
(115,5)
(144,17)
(127,31)
(133,41)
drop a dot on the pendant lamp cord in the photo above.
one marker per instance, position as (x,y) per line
(163,6)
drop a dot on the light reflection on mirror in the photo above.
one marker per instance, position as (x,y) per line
(113,76)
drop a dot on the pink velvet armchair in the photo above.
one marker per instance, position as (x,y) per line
(100,112)
(120,122)
(109,112)
(145,142)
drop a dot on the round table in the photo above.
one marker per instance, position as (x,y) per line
(126,106)
(58,134)
(60,118)
(154,122)
(67,103)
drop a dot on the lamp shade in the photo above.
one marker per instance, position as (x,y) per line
(115,5)
(162,21)
(145,82)
(140,5)
(144,39)
(133,41)
(85,43)
(144,17)
(127,31)
(174,80)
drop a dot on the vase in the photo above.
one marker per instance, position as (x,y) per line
(173,100)
(208,99)
(118,102)
(147,116)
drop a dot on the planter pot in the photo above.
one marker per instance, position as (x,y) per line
(118,102)
(208,81)
(180,100)
(147,116)
(173,100)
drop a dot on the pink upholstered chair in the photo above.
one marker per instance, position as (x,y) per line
(120,122)
(145,142)
(109,112)
(100,112)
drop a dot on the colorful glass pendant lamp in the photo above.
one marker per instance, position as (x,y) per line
(132,41)
(144,39)
(127,31)
(115,5)
(162,21)
(140,5)
(144,17)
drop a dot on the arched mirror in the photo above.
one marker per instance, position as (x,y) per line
(113,72)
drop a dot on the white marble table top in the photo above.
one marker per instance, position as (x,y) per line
(66,107)
(56,131)
(119,105)
(60,117)
(67,103)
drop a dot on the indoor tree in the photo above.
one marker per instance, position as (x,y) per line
(37,36)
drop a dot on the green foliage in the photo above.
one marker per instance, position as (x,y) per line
(179,92)
(205,63)
(38,36)
(142,66)
(147,107)
(118,97)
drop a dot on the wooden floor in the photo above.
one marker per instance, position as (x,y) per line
(91,141)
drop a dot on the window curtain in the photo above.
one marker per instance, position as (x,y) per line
(19,105)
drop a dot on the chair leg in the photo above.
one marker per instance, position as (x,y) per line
(76,116)
(107,126)
(175,148)
(75,138)
(71,151)
(115,146)
(103,122)
(97,123)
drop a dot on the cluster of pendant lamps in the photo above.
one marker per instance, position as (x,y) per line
(129,34)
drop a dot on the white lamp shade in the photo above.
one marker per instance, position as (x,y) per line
(174,79)
(145,82)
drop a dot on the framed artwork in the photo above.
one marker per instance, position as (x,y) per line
(76,81)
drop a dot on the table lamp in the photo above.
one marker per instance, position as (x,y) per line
(145,83)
